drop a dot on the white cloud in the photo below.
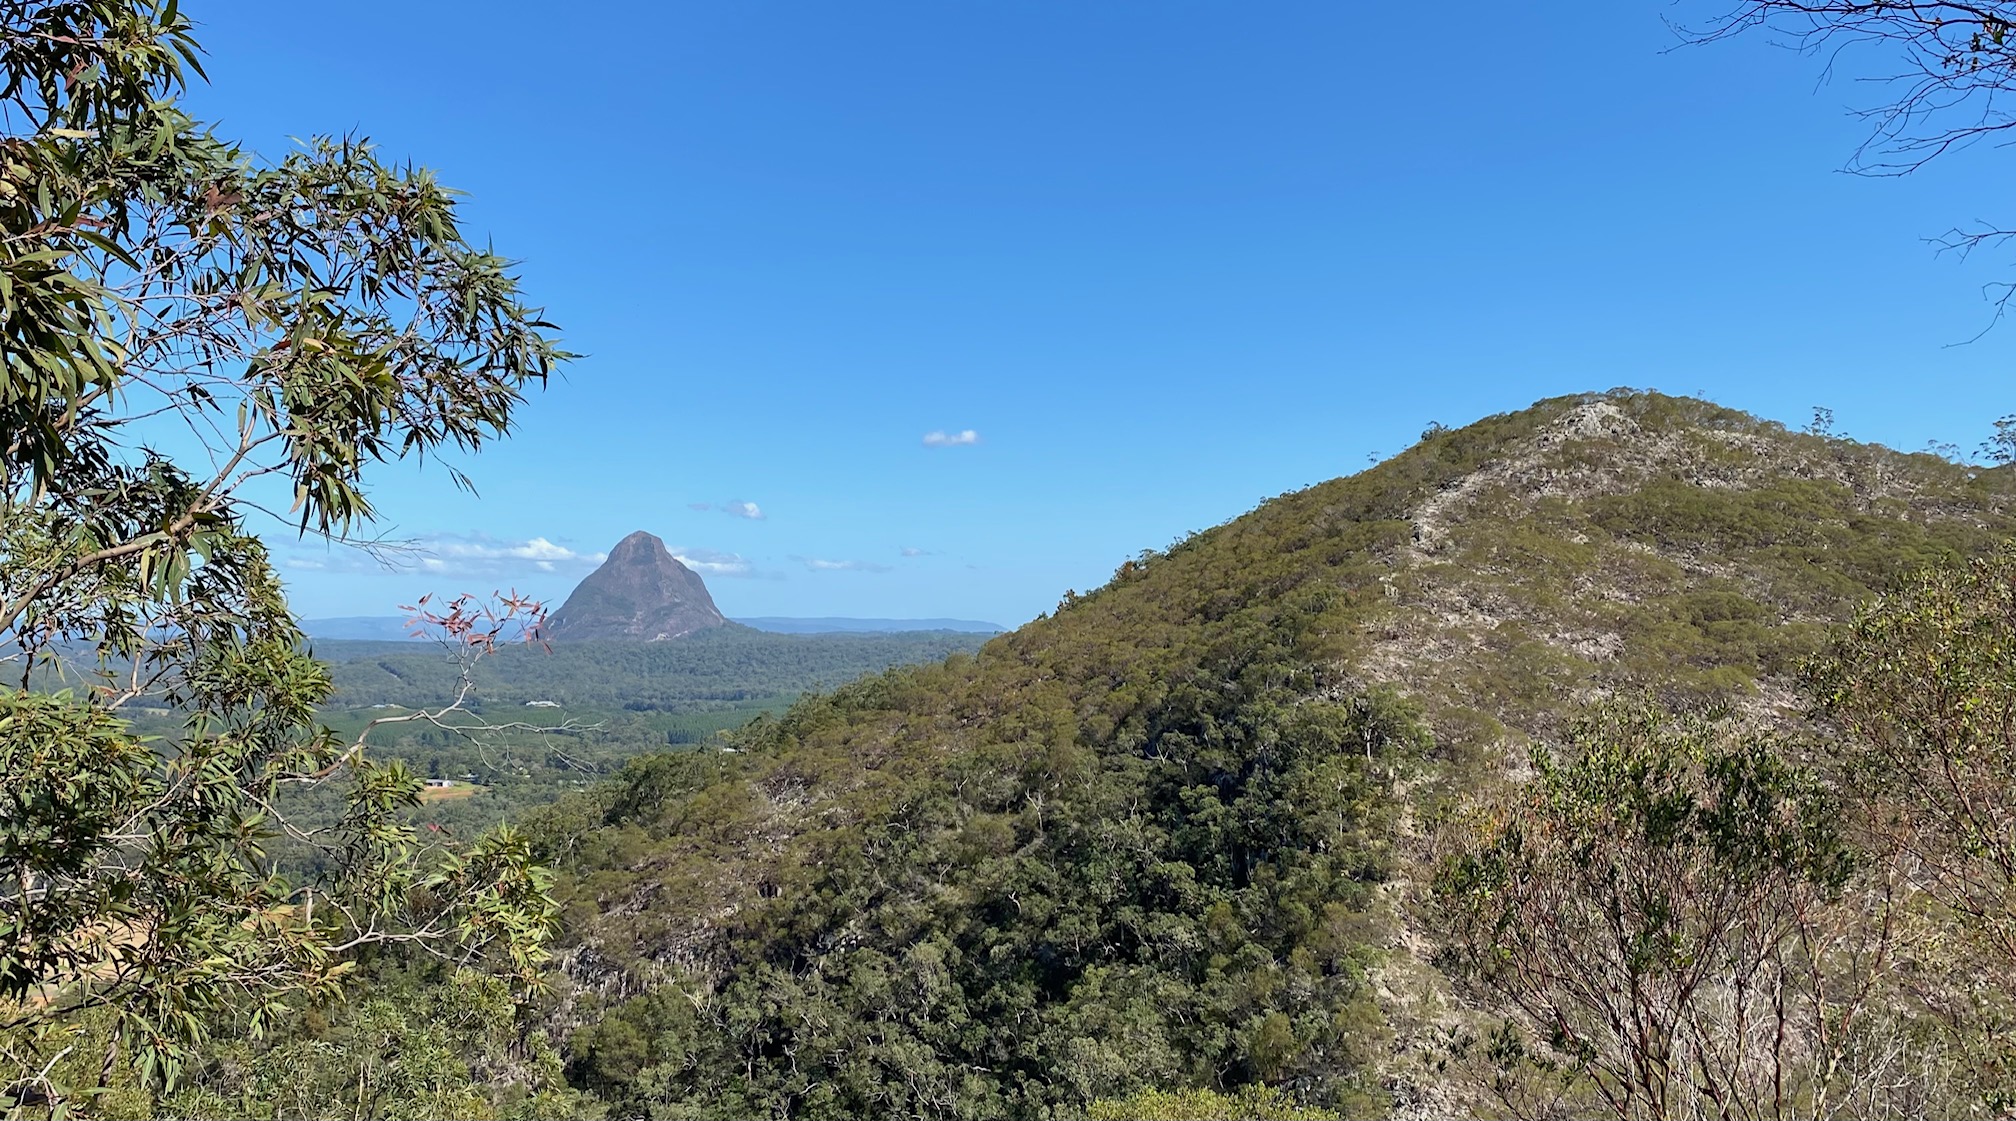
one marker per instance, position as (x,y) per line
(481,554)
(909,551)
(816,564)
(455,555)
(713,562)
(964,438)
(734,508)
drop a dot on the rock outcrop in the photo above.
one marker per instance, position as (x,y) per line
(640,594)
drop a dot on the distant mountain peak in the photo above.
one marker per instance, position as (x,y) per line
(641,594)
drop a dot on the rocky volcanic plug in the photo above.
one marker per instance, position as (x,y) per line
(640,594)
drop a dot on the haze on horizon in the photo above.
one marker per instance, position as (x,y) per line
(910,310)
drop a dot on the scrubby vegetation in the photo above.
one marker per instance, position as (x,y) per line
(1682,916)
(1168,843)
(1164,838)
(1623,755)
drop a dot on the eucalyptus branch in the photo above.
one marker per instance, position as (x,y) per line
(313,317)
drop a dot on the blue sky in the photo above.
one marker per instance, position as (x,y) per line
(1161,261)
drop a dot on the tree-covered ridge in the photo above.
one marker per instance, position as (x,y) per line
(1027,902)
(721,667)
(1144,842)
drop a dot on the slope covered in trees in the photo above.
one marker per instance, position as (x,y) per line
(1168,836)
(722,667)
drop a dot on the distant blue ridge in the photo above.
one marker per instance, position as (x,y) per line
(868,626)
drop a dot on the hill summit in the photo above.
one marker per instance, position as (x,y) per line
(1176,833)
(640,594)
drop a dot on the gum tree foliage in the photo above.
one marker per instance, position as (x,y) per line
(1923,689)
(411,1039)
(1683,921)
(1665,914)
(1920,691)
(1251,1103)
(191,336)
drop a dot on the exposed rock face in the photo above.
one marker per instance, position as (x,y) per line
(640,594)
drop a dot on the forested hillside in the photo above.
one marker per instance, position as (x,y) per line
(1170,835)
(541,721)
(721,667)
(1622,756)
